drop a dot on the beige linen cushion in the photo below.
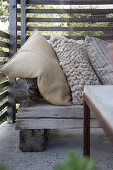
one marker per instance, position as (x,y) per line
(75,64)
(36,59)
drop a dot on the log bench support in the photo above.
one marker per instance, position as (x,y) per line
(33,140)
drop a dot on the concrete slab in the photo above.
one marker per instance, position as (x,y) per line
(59,144)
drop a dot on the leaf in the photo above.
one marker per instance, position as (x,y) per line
(3,167)
(60,166)
(76,162)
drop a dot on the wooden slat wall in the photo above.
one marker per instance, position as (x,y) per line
(91,16)
(3,79)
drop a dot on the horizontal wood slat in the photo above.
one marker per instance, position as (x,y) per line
(69,2)
(4,54)
(2,62)
(4,44)
(70,11)
(92,19)
(3,84)
(50,111)
(3,94)
(3,104)
(3,114)
(52,123)
(4,35)
(2,75)
(70,28)
(41,111)
(110,37)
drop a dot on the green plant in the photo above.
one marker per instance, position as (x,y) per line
(3,167)
(3,10)
(76,162)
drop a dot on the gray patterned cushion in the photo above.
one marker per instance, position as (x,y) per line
(75,64)
(98,52)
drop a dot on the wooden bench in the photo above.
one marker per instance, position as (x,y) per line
(32,119)
(46,116)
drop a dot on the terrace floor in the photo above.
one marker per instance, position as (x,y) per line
(59,144)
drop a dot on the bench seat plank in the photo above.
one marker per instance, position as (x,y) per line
(48,116)
(50,111)
(47,110)
(52,123)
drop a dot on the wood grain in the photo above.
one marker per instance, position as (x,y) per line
(52,123)
(92,19)
(69,2)
(70,11)
(108,28)
(32,140)
(23,22)
(50,111)
(12,50)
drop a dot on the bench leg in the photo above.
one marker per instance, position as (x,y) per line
(86,131)
(33,140)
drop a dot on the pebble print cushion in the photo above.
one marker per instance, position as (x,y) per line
(75,64)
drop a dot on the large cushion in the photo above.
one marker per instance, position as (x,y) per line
(75,64)
(36,59)
(99,56)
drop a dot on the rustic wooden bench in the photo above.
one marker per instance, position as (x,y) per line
(32,119)
(42,116)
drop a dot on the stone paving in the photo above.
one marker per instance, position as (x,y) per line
(59,144)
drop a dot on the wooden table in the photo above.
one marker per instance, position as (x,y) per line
(99,100)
